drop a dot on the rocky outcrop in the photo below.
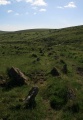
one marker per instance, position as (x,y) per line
(17,77)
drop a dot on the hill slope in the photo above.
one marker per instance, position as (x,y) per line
(38,53)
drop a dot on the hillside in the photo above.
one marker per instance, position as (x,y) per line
(37,53)
(1,32)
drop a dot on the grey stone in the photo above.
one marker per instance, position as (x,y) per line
(30,99)
(18,78)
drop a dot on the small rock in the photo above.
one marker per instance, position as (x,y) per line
(54,72)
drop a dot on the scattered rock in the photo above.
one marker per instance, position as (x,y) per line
(54,72)
(17,77)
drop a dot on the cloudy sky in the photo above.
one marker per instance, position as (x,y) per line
(28,14)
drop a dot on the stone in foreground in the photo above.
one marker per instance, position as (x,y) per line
(30,99)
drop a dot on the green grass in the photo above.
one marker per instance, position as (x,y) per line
(35,52)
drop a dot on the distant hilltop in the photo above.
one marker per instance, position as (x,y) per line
(42,29)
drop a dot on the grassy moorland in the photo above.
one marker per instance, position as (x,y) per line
(36,52)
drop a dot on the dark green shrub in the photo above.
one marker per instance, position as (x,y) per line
(34,55)
(75,107)
(15,107)
(57,95)
(56,102)
(18,106)
(72,106)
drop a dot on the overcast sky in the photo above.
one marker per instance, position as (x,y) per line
(28,14)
